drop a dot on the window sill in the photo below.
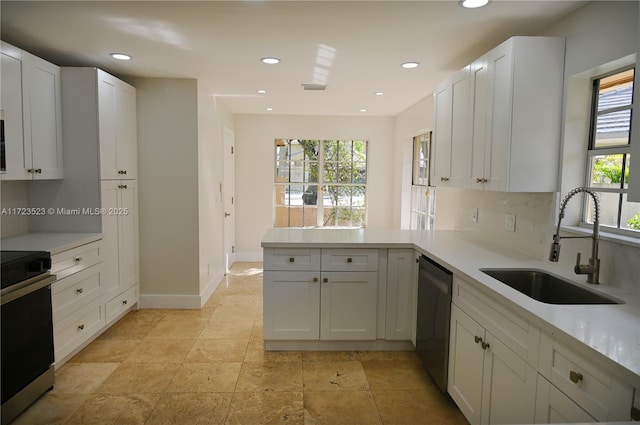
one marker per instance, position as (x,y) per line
(610,237)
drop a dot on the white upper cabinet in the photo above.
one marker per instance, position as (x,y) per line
(523,115)
(501,119)
(117,117)
(451,131)
(31,108)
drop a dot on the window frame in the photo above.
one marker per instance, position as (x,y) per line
(593,151)
(421,202)
(322,185)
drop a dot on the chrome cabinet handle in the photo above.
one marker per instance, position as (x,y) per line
(575,377)
(79,290)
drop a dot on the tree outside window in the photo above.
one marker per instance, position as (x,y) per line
(320,183)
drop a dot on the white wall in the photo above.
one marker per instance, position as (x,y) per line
(168,186)
(254,139)
(212,118)
(415,120)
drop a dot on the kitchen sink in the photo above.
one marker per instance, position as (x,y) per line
(546,287)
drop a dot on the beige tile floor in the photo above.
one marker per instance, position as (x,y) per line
(208,366)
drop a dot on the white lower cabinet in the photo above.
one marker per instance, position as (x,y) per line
(489,382)
(348,305)
(504,370)
(592,387)
(291,305)
(78,312)
(402,295)
(555,407)
(319,304)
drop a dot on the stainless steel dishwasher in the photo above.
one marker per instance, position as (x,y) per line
(434,312)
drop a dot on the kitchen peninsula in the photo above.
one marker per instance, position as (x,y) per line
(551,345)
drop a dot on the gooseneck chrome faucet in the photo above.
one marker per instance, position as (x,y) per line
(592,269)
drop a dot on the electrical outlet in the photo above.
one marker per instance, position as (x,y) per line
(474,215)
(510,222)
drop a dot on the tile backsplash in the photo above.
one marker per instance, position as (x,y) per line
(13,194)
(534,229)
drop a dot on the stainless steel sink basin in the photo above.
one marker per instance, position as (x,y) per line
(547,288)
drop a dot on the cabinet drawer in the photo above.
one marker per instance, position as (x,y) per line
(121,303)
(70,332)
(72,261)
(513,330)
(340,260)
(593,388)
(72,292)
(287,259)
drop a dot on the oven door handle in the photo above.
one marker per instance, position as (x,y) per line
(25,288)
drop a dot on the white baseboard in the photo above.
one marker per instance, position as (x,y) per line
(170,301)
(175,301)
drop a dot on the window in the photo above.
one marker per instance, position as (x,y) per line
(320,183)
(421,202)
(608,155)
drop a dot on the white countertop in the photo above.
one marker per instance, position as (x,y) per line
(611,331)
(54,243)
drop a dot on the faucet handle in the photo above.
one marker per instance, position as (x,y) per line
(581,268)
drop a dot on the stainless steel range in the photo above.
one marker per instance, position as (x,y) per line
(26,366)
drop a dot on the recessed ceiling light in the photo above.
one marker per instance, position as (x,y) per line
(363,110)
(262,91)
(120,56)
(269,109)
(379,93)
(472,4)
(270,61)
(410,65)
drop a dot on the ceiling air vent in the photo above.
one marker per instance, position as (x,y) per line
(314,87)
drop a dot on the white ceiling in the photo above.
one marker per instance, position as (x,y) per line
(355,47)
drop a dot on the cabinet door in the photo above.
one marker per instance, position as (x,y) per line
(348,305)
(509,386)
(478,93)
(118,138)
(110,245)
(441,146)
(500,98)
(126,133)
(553,406)
(107,123)
(401,294)
(16,165)
(466,364)
(291,305)
(127,214)
(45,117)
(460,129)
